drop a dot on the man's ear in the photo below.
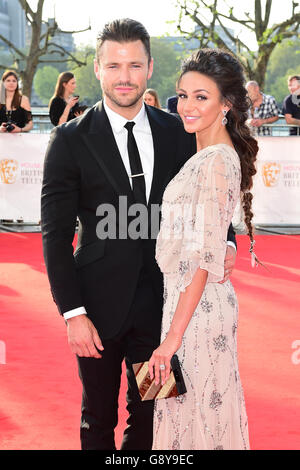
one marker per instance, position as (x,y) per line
(150,70)
(97,69)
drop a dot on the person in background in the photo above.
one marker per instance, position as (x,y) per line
(264,109)
(63,105)
(291,104)
(151,98)
(172,104)
(15,111)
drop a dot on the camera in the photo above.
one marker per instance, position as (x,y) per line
(10,125)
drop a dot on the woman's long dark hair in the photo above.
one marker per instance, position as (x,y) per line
(226,71)
(64,77)
(16,101)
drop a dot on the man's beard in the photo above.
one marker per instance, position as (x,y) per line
(133,101)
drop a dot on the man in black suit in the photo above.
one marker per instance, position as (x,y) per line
(110,291)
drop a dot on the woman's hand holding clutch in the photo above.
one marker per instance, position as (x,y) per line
(159,364)
(187,303)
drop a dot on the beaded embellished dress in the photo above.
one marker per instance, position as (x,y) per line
(198,206)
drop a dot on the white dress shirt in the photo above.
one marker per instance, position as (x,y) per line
(143,136)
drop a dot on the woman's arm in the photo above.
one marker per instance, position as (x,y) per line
(26,105)
(291,120)
(204,255)
(27,127)
(188,301)
(59,111)
(65,115)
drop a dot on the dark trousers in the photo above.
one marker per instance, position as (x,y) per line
(101,378)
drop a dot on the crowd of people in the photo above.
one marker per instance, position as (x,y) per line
(16,116)
(264,110)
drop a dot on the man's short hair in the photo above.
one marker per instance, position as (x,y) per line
(252,83)
(294,77)
(124,30)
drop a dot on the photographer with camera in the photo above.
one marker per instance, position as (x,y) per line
(15,111)
(64,105)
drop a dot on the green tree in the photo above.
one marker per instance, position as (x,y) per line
(45,81)
(88,87)
(279,88)
(25,63)
(166,68)
(209,18)
(284,61)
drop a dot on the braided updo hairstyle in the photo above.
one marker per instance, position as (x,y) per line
(226,71)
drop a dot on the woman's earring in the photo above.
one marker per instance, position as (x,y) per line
(224,120)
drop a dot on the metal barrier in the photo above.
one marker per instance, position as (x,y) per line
(41,121)
(279,128)
(43,125)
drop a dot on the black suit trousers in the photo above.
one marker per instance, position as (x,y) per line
(139,336)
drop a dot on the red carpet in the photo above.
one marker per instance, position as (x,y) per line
(40,392)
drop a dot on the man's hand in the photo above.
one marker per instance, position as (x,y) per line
(83,337)
(229,263)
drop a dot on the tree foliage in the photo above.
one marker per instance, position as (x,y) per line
(166,68)
(44,82)
(25,63)
(284,61)
(88,87)
(209,19)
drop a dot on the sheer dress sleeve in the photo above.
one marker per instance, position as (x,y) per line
(195,236)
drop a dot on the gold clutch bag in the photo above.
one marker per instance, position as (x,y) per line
(150,391)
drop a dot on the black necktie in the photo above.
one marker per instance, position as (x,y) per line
(137,174)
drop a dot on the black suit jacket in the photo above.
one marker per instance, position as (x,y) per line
(83,169)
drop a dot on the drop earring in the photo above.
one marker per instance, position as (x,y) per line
(224,120)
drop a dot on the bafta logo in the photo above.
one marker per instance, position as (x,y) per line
(271,173)
(8,170)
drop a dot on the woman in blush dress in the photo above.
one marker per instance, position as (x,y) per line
(200,315)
